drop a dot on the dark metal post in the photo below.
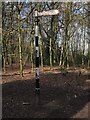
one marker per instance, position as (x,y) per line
(37,89)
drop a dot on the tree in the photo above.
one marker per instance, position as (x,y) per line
(89,34)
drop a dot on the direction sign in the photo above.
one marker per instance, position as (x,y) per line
(48,13)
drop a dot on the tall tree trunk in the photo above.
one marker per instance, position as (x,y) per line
(65,47)
(41,52)
(83,47)
(32,55)
(89,34)
(65,54)
(88,55)
(72,52)
(61,56)
(10,53)
(4,63)
(20,46)
(50,50)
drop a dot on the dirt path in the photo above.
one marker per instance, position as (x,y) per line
(61,96)
(84,113)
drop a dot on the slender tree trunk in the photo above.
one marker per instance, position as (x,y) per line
(20,46)
(83,47)
(10,54)
(89,34)
(50,49)
(72,52)
(61,55)
(4,64)
(88,55)
(10,42)
(32,56)
(65,54)
(57,58)
(41,52)
(4,54)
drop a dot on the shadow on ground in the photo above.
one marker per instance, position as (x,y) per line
(60,97)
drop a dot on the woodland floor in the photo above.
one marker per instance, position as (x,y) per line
(61,96)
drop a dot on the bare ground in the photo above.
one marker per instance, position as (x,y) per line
(61,96)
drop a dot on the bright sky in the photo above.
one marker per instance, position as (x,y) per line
(45,0)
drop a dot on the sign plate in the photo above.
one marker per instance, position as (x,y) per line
(48,13)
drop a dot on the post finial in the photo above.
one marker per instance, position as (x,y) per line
(36,13)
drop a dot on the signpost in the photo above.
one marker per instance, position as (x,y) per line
(37,52)
(39,14)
